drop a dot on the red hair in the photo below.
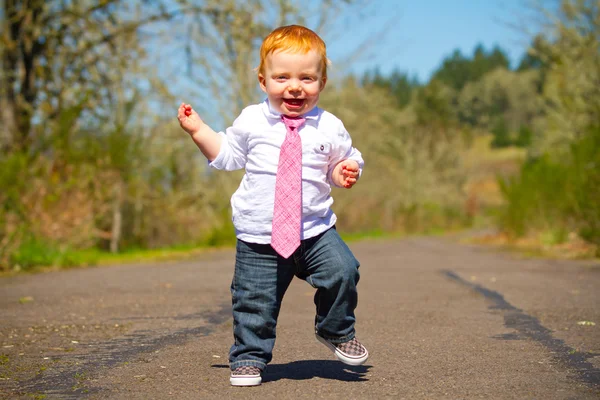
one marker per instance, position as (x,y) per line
(295,39)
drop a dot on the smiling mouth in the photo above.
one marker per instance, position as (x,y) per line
(293,103)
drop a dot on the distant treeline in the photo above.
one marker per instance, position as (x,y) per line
(483,92)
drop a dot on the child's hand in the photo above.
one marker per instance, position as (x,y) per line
(189,119)
(345,173)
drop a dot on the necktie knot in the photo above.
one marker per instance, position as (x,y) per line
(292,123)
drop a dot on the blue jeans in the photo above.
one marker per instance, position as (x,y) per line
(261,279)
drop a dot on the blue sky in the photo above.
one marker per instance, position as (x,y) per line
(420,34)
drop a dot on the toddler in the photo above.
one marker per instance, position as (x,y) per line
(292,152)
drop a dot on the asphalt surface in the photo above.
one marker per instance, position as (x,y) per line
(441,321)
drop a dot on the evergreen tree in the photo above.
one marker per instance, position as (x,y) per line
(456,70)
(398,84)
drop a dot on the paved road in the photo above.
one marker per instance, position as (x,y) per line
(441,320)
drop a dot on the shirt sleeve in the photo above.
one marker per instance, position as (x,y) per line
(233,153)
(343,150)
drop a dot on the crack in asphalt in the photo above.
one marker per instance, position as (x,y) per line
(75,369)
(531,328)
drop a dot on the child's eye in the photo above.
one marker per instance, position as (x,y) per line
(308,79)
(281,77)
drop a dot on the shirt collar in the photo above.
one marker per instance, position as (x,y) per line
(270,113)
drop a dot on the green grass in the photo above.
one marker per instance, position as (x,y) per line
(36,255)
(374,234)
(94,257)
(141,255)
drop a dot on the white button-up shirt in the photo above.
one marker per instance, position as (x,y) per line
(253,142)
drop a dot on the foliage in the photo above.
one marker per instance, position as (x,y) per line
(524,136)
(457,70)
(501,134)
(571,91)
(557,191)
(537,198)
(61,56)
(399,84)
(33,253)
(534,59)
(413,175)
(46,202)
(433,105)
(502,95)
(586,164)
(557,196)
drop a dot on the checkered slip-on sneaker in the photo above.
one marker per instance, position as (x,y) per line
(245,376)
(351,352)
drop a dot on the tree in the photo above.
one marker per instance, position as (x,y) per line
(533,58)
(557,189)
(398,83)
(66,56)
(571,90)
(456,70)
(433,105)
(412,169)
(501,94)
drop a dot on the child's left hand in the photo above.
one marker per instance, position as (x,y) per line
(345,173)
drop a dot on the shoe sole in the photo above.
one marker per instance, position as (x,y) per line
(346,359)
(245,380)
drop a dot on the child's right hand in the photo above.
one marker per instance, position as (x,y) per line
(189,119)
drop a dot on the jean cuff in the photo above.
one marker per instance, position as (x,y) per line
(248,363)
(338,339)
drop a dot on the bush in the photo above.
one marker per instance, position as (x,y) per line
(556,195)
(501,134)
(586,166)
(524,136)
(34,252)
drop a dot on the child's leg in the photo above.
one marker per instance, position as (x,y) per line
(332,269)
(259,283)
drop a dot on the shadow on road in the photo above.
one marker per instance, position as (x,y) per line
(309,369)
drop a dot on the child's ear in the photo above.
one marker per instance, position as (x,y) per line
(263,82)
(323,82)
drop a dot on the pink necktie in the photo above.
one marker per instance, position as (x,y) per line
(287,211)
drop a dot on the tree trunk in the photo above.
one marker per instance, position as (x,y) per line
(117,224)
(8,63)
(21,51)
(8,121)
(137,216)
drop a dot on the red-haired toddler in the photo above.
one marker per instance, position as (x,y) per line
(292,152)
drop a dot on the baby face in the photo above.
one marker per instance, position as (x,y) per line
(292,81)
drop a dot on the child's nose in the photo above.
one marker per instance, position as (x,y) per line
(294,86)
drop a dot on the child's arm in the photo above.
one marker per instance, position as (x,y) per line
(207,140)
(345,173)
